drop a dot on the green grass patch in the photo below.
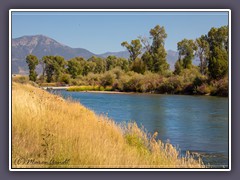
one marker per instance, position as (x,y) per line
(135,141)
(89,88)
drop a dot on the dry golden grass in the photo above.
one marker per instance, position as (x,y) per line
(49,132)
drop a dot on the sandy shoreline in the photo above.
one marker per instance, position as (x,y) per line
(54,88)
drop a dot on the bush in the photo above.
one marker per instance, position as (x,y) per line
(65,78)
(134,83)
(189,75)
(172,85)
(92,79)
(118,72)
(119,84)
(203,89)
(200,86)
(220,87)
(150,82)
(108,79)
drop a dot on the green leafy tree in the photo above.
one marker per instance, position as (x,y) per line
(148,60)
(123,64)
(202,52)
(138,66)
(89,67)
(75,66)
(186,49)
(178,67)
(59,66)
(159,54)
(218,63)
(155,54)
(134,48)
(158,35)
(42,77)
(218,52)
(54,66)
(32,62)
(113,62)
(100,64)
(159,60)
(49,67)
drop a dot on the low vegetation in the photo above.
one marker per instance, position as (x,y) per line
(89,88)
(188,82)
(50,132)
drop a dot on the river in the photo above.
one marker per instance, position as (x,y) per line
(195,123)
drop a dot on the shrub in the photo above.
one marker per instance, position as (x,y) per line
(203,89)
(93,79)
(199,85)
(118,72)
(108,79)
(220,87)
(134,83)
(65,78)
(171,85)
(150,82)
(189,75)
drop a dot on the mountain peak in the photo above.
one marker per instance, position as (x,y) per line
(41,45)
(34,40)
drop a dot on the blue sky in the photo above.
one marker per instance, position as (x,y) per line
(101,32)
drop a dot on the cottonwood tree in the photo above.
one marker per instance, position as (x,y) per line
(178,67)
(49,67)
(100,64)
(89,67)
(134,48)
(186,49)
(159,54)
(147,58)
(202,52)
(138,66)
(59,67)
(54,66)
(155,54)
(32,62)
(218,52)
(113,62)
(75,66)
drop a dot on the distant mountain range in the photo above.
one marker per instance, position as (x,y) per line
(41,45)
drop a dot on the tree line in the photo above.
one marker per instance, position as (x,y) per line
(147,54)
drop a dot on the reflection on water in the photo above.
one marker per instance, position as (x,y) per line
(195,123)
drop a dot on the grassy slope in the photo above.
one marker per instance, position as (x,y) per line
(45,127)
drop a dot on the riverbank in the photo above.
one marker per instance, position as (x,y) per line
(50,132)
(149,85)
(110,90)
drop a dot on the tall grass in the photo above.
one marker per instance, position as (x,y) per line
(50,132)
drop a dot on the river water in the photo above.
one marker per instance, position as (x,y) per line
(195,123)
